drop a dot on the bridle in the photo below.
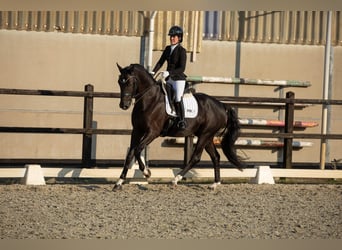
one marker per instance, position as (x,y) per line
(134,94)
(124,81)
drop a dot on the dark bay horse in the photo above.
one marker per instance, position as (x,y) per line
(149,118)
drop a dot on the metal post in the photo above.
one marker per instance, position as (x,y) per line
(289,118)
(87,124)
(194,46)
(150,41)
(327,74)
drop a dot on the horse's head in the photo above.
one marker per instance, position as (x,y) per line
(135,82)
(128,86)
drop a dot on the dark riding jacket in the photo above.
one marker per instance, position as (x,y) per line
(176,62)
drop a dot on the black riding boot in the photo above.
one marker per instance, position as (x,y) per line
(181,114)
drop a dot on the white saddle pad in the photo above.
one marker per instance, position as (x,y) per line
(190,106)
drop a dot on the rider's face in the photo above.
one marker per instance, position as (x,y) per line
(174,40)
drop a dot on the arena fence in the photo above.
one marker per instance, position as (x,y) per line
(86,167)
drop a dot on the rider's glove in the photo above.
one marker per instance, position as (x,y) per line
(165,74)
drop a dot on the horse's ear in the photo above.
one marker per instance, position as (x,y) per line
(119,67)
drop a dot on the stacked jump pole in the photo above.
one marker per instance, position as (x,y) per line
(289,110)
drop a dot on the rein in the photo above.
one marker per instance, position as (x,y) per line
(139,96)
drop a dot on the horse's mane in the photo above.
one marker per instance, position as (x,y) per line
(137,66)
(141,68)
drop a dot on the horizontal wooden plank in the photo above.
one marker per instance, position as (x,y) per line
(229,99)
(58,93)
(45,130)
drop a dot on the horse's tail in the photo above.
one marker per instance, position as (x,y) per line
(229,137)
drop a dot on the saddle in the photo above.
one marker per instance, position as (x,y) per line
(189,101)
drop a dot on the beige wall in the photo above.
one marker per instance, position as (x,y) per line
(39,60)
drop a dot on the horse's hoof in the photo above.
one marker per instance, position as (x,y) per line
(173,185)
(241,169)
(147,174)
(214,185)
(117,188)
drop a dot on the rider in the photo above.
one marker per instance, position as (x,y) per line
(175,55)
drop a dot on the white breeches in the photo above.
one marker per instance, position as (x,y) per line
(178,87)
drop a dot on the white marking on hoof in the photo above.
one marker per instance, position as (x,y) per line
(177,179)
(214,185)
(118,185)
(120,182)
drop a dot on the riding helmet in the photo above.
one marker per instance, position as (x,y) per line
(176,31)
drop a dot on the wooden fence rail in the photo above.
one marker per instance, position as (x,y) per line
(5,91)
(87,131)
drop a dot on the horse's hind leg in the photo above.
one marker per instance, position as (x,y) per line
(142,166)
(215,158)
(195,158)
(146,140)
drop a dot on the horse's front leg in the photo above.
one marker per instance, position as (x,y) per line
(135,138)
(129,159)
(138,143)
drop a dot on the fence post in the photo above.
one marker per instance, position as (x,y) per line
(289,119)
(87,124)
